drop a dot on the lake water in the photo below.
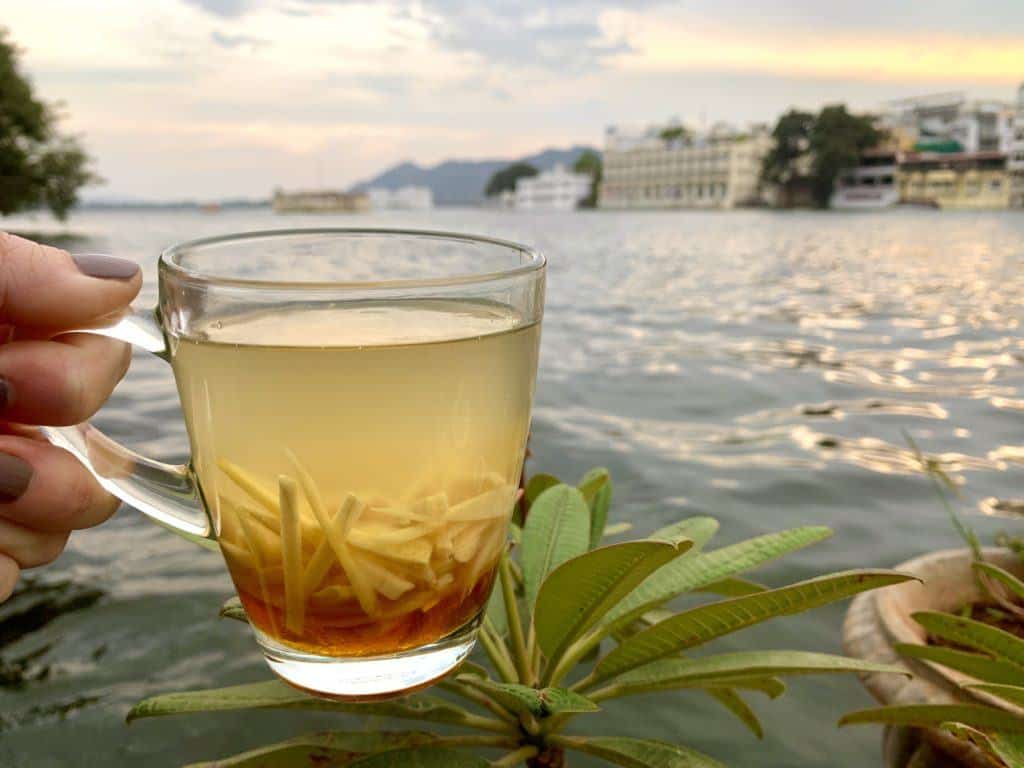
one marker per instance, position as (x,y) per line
(759,367)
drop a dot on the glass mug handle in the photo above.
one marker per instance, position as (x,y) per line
(167,493)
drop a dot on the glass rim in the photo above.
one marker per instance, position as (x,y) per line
(535,260)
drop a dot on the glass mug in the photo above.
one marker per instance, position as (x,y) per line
(357,403)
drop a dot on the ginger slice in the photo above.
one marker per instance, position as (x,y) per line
(396,513)
(253,487)
(434,508)
(247,529)
(324,557)
(331,598)
(291,554)
(336,532)
(237,555)
(486,556)
(493,504)
(467,539)
(389,584)
(416,552)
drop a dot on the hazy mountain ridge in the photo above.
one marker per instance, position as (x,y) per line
(455,182)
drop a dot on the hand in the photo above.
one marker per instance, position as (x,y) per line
(51,377)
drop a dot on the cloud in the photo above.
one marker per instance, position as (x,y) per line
(227,9)
(227,40)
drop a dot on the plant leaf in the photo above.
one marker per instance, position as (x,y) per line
(596,487)
(732,701)
(733,587)
(232,609)
(1008,747)
(973,664)
(496,612)
(723,669)
(541,703)
(580,591)
(274,694)
(423,757)
(699,530)
(974,634)
(639,753)
(557,529)
(1004,577)
(707,622)
(537,484)
(934,715)
(1011,693)
(616,529)
(327,749)
(696,571)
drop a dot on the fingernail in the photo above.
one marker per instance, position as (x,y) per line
(103,265)
(15,475)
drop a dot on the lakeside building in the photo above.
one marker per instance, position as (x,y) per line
(408,198)
(553,190)
(320,201)
(950,122)
(668,166)
(1015,160)
(963,180)
(872,184)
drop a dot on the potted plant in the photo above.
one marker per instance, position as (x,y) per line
(574,626)
(960,631)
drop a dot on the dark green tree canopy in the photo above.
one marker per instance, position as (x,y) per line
(506,178)
(589,162)
(38,166)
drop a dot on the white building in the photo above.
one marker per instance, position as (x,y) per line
(872,184)
(668,166)
(554,190)
(1015,158)
(405,198)
(950,122)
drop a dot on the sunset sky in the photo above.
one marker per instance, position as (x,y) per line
(213,98)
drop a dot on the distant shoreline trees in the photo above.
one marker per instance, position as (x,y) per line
(39,166)
(589,162)
(810,151)
(505,179)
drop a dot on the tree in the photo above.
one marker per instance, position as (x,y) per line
(589,162)
(792,138)
(38,165)
(505,179)
(837,141)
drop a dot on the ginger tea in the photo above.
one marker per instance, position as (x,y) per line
(361,462)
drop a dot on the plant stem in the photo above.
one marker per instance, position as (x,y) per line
(482,723)
(515,624)
(517,573)
(466,692)
(553,675)
(582,685)
(515,758)
(498,655)
(474,741)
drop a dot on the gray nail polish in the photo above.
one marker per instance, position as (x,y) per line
(103,265)
(15,475)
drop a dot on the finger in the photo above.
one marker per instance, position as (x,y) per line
(44,287)
(60,382)
(9,571)
(29,548)
(45,488)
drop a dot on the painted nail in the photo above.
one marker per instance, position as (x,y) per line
(102,265)
(15,475)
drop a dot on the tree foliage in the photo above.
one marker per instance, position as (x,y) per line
(505,179)
(815,148)
(589,162)
(38,165)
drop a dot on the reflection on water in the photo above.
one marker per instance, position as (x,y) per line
(759,367)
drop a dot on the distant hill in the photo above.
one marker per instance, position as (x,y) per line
(461,182)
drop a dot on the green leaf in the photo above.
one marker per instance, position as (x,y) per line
(496,612)
(615,529)
(274,694)
(772,687)
(537,484)
(638,753)
(973,634)
(541,703)
(733,702)
(232,609)
(1004,577)
(1007,747)
(697,571)
(934,715)
(1011,693)
(580,591)
(733,587)
(707,622)
(326,749)
(596,487)
(724,669)
(428,757)
(557,530)
(973,664)
(699,530)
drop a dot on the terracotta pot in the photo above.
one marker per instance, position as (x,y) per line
(877,620)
